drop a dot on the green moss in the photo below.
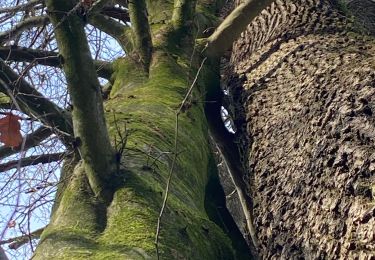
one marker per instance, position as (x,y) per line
(4,99)
(146,108)
(128,74)
(160,11)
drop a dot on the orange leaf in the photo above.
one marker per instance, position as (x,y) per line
(10,130)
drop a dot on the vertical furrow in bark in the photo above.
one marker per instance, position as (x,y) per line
(309,100)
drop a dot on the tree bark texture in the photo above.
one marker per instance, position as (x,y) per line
(303,82)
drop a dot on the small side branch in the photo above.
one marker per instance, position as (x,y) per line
(142,33)
(235,23)
(22,26)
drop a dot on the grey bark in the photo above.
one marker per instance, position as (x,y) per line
(304,87)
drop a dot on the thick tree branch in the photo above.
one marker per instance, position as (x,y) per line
(142,33)
(22,26)
(31,102)
(85,92)
(235,23)
(116,13)
(123,3)
(48,58)
(32,140)
(98,5)
(183,13)
(32,160)
(112,28)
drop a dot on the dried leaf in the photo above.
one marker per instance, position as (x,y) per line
(10,130)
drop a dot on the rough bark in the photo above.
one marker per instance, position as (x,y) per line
(304,85)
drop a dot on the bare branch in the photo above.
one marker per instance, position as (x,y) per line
(48,58)
(32,102)
(235,23)
(141,28)
(32,140)
(22,26)
(21,7)
(32,160)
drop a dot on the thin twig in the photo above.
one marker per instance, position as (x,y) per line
(166,193)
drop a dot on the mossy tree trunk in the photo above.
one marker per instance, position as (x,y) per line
(303,80)
(150,130)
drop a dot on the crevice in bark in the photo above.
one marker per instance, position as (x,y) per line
(216,208)
(309,112)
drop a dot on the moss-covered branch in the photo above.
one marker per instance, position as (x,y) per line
(235,23)
(33,103)
(141,29)
(88,117)
(183,13)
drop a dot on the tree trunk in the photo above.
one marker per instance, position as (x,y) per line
(159,133)
(303,82)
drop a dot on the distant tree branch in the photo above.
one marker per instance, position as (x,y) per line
(21,7)
(16,242)
(141,28)
(33,103)
(48,58)
(232,26)
(22,26)
(32,160)
(32,140)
